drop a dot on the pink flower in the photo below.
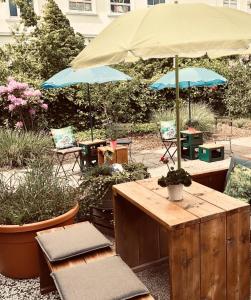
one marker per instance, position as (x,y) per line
(44,106)
(11,107)
(37,93)
(12,98)
(32,112)
(3,89)
(22,101)
(19,125)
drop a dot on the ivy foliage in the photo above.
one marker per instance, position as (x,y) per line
(96,187)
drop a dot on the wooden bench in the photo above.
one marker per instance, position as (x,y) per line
(46,267)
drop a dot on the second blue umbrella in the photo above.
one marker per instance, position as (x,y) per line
(189,77)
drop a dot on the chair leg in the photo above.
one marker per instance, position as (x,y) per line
(77,156)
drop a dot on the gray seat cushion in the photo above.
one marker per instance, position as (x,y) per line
(105,279)
(72,241)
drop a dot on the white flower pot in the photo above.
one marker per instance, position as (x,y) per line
(175,192)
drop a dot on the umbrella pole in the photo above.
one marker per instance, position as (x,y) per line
(90,109)
(178,110)
(189,103)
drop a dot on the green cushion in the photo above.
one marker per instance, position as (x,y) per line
(238,160)
(167,130)
(63,137)
(239,183)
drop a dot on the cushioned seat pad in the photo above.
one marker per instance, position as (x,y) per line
(105,279)
(72,241)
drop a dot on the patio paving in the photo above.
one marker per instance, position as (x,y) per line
(151,158)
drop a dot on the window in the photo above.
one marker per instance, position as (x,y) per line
(120,6)
(81,5)
(154,2)
(13,8)
(230,3)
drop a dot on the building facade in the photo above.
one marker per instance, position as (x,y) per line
(89,17)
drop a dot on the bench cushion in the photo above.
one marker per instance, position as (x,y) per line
(71,241)
(106,279)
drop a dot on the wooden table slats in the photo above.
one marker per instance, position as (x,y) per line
(154,205)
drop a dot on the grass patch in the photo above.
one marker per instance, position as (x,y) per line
(201,115)
(17,147)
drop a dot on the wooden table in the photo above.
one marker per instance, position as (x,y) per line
(120,155)
(205,236)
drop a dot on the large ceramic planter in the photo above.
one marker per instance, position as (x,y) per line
(18,247)
(175,192)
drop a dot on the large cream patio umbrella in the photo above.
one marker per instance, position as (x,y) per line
(170,30)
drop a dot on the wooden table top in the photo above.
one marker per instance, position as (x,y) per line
(191,132)
(94,142)
(109,148)
(211,146)
(199,204)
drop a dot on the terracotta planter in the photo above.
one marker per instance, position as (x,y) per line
(18,247)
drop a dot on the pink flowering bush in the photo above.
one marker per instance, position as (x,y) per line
(23,103)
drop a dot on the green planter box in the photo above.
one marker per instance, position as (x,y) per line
(191,152)
(192,138)
(211,152)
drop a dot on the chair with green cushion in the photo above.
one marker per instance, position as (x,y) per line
(65,146)
(168,138)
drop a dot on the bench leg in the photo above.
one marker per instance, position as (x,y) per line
(46,282)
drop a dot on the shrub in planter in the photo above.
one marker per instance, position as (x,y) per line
(17,147)
(35,201)
(96,188)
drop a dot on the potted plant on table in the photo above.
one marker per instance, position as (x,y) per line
(113,134)
(36,200)
(174,181)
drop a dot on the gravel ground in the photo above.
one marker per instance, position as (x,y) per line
(22,290)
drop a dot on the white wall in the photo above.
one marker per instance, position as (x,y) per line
(89,24)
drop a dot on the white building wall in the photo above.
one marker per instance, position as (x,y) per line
(90,23)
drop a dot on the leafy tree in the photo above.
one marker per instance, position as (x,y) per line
(27,12)
(56,42)
(237,97)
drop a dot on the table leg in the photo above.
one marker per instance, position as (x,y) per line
(238,255)
(137,236)
(213,258)
(184,263)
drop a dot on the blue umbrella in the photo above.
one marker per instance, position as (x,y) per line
(189,77)
(68,77)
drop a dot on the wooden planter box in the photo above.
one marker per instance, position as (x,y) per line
(214,179)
